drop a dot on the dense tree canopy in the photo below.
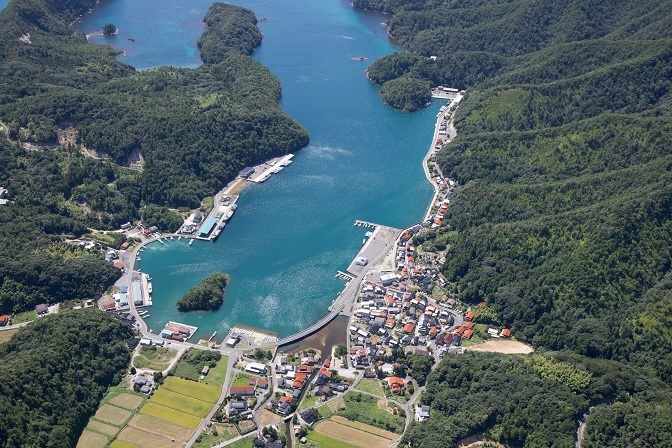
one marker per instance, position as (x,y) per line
(53,374)
(206,296)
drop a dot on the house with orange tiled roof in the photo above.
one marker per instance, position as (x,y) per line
(468,334)
(506,333)
(470,315)
(408,328)
(460,331)
(396,384)
(468,325)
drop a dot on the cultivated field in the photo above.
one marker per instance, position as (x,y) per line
(102,428)
(119,444)
(158,426)
(328,442)
(6,334)
(127,401)
(145,439)
(181,402)
(90,439)
(370,386)
(112,414)
(192,389)
(502,346)
(151,357)
(171,415)
(355,433)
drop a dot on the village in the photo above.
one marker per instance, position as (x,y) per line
(249,390)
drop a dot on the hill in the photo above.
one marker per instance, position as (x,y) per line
(562,222)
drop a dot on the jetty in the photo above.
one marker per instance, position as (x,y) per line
(369,225)
(376,248)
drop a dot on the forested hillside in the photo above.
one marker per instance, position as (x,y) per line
(563,221)
(53,375)
(195,128)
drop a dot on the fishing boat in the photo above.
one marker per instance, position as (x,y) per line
(149,287)
(138,258)
(191,241)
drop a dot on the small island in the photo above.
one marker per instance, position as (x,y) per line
(109,29)
(208,295)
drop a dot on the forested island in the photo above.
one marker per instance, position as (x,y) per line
(562,224)
(208,295)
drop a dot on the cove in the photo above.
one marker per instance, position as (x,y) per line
(292,233)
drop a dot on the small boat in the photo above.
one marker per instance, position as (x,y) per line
(364,241)
(149,288)
(138,258)
(287,162)
(191,241)
(171,237)
(179,237)
(146,316)
(278,168)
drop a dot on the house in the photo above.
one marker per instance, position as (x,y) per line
(408,328)
(232,341)
(126,226)
(310,416)
(198,217)
(284,408)
(246,172)
(235,408)
(468,325)
(506,333)
(144,224)
(421,413)
(468,334)
(241,391)
(42,308)
(396,384)
(205,370)
(469,316)
(4,320)
(255,367)
(124,245)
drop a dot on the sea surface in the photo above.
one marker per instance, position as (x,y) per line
(3,3)
(292,233)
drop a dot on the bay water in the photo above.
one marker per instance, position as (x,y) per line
(292,233)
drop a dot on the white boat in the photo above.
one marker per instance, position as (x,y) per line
(146,316)
(286,162)
(278,168)
(191,241)
(138,258)
(149,287)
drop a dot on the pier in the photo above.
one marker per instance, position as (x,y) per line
(368,225)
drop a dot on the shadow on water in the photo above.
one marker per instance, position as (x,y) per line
(324,340)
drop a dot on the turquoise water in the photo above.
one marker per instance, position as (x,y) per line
(292,233)
(3,3)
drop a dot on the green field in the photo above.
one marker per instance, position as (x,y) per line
(370,386)
(193,389)
(171,415)
(154,358)
(121,444)
(215,376)
(224,432)
(182,403)
(328,442)
(5,335)
(28,316)
(308,402)
(364,408)
(241,380)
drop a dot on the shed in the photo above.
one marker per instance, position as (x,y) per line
(246,172)
(42,308)
(205,370)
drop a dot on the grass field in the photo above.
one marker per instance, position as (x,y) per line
(241,380)
(171,415)
(102,428)
(145,439)
(6,334)
(161,427)
(358,434)
(127,401)
(193,389)
(308,402)
(90,439)
(325,441)
(154,358)
(365,409)
(224,432)
(370,386)
(112,414)
(217,374)
(181,402)
(119,444)
(27,316)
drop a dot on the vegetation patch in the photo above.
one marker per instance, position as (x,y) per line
(192,389)
(355,433)
(5,335)
(215,434)
(327,442)
(116,443)
(171,415)
(371,386)
(144,439)
(181,402)
(192,362)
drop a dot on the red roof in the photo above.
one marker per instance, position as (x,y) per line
(241,389)
(468,334)
(408,328)
(395,380)
(460,331)
(285,399)
(4,319)
(469,325)
(470,315)
(327,362)
(506,333)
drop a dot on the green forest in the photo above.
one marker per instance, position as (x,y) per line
(562,221)
(208,295)
(53,374)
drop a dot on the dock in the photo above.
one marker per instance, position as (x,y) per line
(178,331)
(146,298)
(263,172)
(367,224)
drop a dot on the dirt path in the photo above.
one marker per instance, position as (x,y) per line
(502,346)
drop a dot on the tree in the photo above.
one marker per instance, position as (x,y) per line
(109,29)
(341,350)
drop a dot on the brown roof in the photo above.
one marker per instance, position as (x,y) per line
(468,334)
(470,315)
(506,333)
(469,325)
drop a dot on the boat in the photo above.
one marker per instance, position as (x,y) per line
(138,258)
(264,178)
(191,241)
(171,237)
(230,211)
(278,168)
(146,316)
(286,162)
(368,234)
(149,287)
(364,241)
(221,226)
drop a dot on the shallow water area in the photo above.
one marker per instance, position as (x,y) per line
(291,234)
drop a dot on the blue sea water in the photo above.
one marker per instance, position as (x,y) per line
(3,3)
(292,233)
